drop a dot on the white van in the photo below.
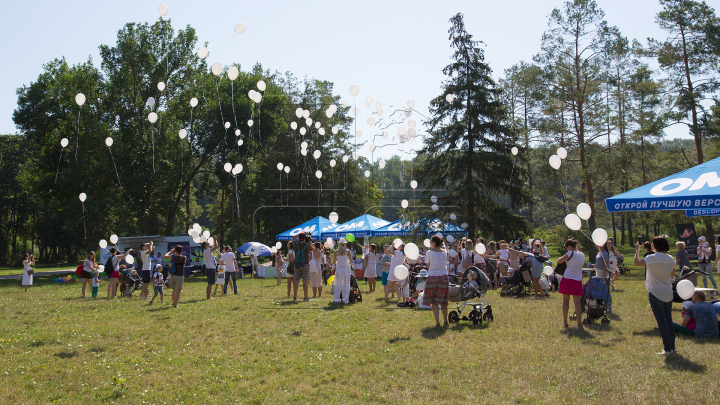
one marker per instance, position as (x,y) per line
(192,251)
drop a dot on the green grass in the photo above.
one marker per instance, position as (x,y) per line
(259,348)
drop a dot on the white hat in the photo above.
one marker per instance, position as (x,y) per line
(423,273)
(342,240)
(702,238)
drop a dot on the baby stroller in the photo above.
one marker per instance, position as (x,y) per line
(481,310)
(129,282)
(519,283)
(594,300)
(685,275)
(621,265)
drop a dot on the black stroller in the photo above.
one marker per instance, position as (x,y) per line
(129,282)
(481,310)
(684,275)
(520,282)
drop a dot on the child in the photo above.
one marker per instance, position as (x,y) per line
(545,284)
(220,279)
(158,283)
(471,286)
(404,291)
(95,283)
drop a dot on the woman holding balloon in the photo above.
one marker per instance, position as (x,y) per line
(571,283)
(437,288)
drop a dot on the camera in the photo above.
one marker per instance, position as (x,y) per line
(640,240)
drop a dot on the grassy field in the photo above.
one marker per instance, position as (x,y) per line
(9,271)
(56,347)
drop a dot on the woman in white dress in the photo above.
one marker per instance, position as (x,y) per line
(397,259)
(291,268)
(370,266)
(342,260)
(316,270)
(28,262)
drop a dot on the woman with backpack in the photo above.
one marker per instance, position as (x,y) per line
(177,269)
(113,268)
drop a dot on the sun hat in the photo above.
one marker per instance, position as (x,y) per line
(342,240)
(702,238)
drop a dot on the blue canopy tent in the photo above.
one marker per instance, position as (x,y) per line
(315,226)
(362,226)
(405,229)
(697,188)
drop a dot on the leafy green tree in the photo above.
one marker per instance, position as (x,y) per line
(467,151)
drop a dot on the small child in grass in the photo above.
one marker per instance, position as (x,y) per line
(220,279)
(158,283)
(545,284)
(95,283)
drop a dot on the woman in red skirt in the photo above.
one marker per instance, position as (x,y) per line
(571,283)
(437,287)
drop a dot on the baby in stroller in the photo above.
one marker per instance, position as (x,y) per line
(465,292)
(131,281)
(471,287)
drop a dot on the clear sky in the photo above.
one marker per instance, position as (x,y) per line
(393,50)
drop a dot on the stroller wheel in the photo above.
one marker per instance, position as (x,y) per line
(488,316)
(605,321)
(453,317)
(475,316)
(573,316)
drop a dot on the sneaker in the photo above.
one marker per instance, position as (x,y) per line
(547,295)
(306,299)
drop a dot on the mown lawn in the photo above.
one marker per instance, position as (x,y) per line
(259,348)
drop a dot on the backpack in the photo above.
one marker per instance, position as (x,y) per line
(109,268)
(171,270)
(79,270)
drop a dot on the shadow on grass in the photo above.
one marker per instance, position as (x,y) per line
(575,332)
(434,332)
(680,363)
(613,316)
(159,308)
(38,343)
(66,355)
(97,349)
(398,339)
(649,332)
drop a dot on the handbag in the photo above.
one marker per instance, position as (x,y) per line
(30,272)
(561,267)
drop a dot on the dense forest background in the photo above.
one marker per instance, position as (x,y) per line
(605,98)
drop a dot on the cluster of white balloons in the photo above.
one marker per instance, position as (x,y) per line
(235,170)
(113,240)
(556,160)
(200,236)
(584,212)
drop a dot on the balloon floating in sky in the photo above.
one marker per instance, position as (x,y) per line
(453,217)
(163,10)
(83,197)
(514,151)
(161,86)
(404,203)
(333,217)
(250,123)
(354,90)
(202,53)
(152,117)
(80,99)
(64,142)
(584,211)
(332,163)
(599,236)
(261,85)
(335,130)
(216,68)
(318,174)
(280,166)
(240,28)
(227,167)
(287,169)
(150,102)
(413,184)
(233,73)
(562,153)
(555,162)
(435,207)
(367,173)
(449,98)
(108,141)
(573,222)
(411,103)
(103,244)
(240,142)
(382,163)
(113,239)
(293,125)
(317,154)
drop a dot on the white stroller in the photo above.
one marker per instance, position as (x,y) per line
(481,310)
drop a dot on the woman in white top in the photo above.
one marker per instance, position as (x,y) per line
(437,287)
(660,267)
(370,266)
(28,262)
(571,283)
(342,260)
(613,255)
(503,257)
(89,267)
(397,259)
(279,266)
(704,252)
(291,268)
(316,269)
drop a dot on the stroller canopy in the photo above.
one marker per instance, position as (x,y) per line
(315,226)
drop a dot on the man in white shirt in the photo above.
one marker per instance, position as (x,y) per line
(210,264)
(231,268)
(704,264)
(146,257)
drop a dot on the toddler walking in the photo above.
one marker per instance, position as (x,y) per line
(95,283)
(158,283)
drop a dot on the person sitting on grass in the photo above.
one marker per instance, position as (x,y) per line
(704,315)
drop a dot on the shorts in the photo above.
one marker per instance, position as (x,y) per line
(85,274)
(115,274)
(570,287)
(220,280)
(385,275)
(158,289)
(146,276)
(290,270)
(211,276)
(176,282)
(302,273)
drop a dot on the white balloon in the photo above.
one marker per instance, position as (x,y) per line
(367,173)
(335,130)
(197,240)
(412,123)
(182,133)
(449,98)
(193,102)
(404,203)
(303,131)
(161,86)
(573,222)
(385,134)
(328,113)
(129,259)
(103,244)
(150,102)
(237,132)
(435,207)
(227,167)
(599,236)
(412,251)
(317,124)
(344,104)
(280,166)
(303,152)
(368,101)
(234,171)
(217,68)
(413,184)
(333,217)
(83,197)
(227,125)
(318,174)
(426,242)
(202,52)
(250,123)
(304,145)
(584,211)
(382,163)
(321,131)
(450,239)
(306,114)
(152,117)
(195,234)
(197,228)
(411,103)
(308,121)
(354,90)
(401,272)
(317,154)
(371,121)
(345,158)
(64,142)
(299,112)
(452,252)
(113,239)
(287,169)
(257,98)
(453,217)
(293,125)
(206,234)
(548,271)
(108,142)
(261,85)
(555,162)
(332,163)
(464,225)
(433,199)
(240,142)
(358,133)
(240,28)
(685,289)
(356,111)
(372,147)
(402,130)
(562,152)
(514,151)
(480,249)
(210,241)
(163,10)
(278,245)
(379,111)
(80,99)
(411,132)
(233,73)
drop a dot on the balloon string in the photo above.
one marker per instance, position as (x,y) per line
(84,224)
(58,168)
(562,190)
(511,174)
(152,132)
(190,135)
(232,99)
(237,201)
(116,172)
(77,139)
